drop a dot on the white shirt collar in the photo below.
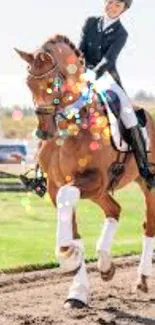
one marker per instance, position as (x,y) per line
(106,21)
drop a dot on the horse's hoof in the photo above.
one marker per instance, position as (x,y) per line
(142,286)
(74,303)
(107,276)
(71,273)
(70,260)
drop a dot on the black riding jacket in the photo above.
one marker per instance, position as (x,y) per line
(106,45)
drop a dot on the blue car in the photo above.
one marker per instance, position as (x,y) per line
(12,153)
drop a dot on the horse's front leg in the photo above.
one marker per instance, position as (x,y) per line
(78,296)
(79,290)
(70,249)
(112,210)
(68,253)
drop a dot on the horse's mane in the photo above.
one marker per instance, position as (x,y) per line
(63,39)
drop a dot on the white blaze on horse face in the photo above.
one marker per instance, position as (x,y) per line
(145,267)
(67,198)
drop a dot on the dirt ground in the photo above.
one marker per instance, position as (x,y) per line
(37,298)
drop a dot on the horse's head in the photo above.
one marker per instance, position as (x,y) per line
(54,78)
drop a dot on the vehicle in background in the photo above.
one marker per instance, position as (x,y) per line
(13,156)
(13,152)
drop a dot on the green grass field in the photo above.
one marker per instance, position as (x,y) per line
(28,227)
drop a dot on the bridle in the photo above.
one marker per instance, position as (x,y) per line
(41,109)
(74,108)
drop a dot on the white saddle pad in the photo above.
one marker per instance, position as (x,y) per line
(121,145)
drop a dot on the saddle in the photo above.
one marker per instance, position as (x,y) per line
(120,136)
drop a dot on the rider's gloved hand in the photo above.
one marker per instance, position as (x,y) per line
(89,75)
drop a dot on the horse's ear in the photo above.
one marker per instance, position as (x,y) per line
(46,57)
(28,57)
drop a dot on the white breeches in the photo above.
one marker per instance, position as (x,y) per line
(128,116)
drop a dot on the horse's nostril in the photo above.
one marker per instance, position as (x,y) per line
(44,126)
(41,134)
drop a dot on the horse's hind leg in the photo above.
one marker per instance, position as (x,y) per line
(112,211)
(145,267)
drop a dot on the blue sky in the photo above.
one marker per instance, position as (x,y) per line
(26,24)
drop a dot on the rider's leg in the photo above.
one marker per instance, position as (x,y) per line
(129,119)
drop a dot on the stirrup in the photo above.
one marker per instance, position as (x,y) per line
(38,185)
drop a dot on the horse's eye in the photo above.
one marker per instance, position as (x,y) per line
(50,85)
(29,67)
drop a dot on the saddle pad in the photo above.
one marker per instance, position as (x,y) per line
(120,144)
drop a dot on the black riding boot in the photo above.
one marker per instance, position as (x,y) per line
(139,149)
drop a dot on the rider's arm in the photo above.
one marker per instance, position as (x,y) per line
(109,59)
(83,40)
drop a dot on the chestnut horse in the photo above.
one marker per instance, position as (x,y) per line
(76,154)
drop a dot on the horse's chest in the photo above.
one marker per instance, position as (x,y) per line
(71,159)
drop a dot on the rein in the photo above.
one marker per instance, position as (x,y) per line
(69,112)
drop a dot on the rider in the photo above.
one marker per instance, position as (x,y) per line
(102,40)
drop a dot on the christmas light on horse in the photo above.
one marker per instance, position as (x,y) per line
(77,156)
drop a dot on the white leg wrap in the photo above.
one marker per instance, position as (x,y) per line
(104,244)
(80,286)
(105,241)
(67,198)
(145,267)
